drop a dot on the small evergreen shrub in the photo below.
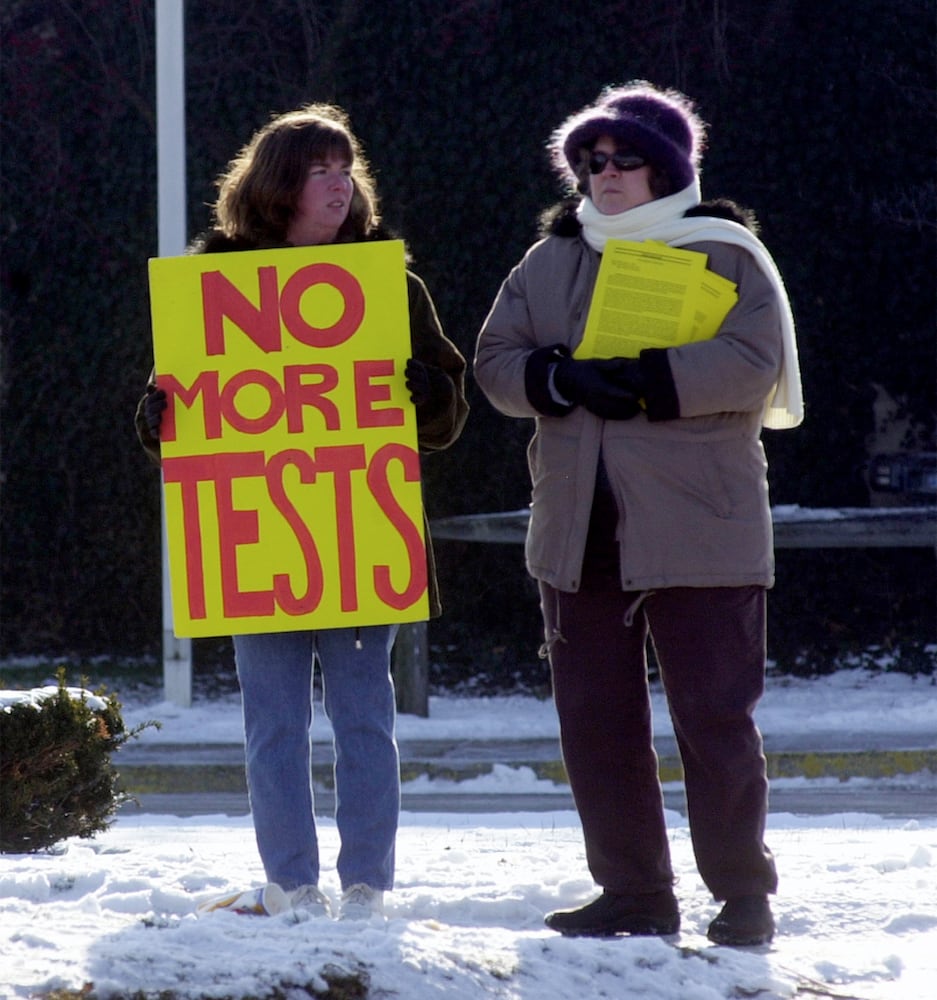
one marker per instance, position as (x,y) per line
(56,776)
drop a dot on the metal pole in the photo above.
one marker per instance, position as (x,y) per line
(171,201)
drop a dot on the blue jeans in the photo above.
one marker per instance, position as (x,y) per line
(275,672)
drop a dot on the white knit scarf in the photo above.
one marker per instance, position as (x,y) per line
(663,219)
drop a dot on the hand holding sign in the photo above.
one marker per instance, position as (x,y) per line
(428,385)
(153,409)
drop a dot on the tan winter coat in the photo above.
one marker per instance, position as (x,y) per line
(692,491)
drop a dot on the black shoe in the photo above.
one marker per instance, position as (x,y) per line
(743,921)
(613,913)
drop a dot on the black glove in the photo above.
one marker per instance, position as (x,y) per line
(629,374)
(600,385)
(153,406)
(427,384)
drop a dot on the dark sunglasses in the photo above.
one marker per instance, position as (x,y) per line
(621,161)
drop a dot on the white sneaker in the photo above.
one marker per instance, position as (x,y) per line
(361,902)
(312,900)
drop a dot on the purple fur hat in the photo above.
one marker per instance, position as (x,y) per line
(660,125)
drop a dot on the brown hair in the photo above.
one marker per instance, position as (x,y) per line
(258,193)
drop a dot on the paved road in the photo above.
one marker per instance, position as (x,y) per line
(901,803)
(206,779)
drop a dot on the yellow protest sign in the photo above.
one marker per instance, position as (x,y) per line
(290,465)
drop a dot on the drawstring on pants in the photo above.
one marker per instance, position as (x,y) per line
(635,606)
(358,644)
(555,635)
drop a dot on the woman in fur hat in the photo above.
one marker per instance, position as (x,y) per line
(302,181)
(650,516)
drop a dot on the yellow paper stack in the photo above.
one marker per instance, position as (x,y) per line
(652,295)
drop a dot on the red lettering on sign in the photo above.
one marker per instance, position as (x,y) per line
(368,392)
(307,602)
(221,298)
(408,531)
(188,472)
(342,460)
(266,420)
(300,393)
(219,406)
(238,527)
(206,385)
(345,327)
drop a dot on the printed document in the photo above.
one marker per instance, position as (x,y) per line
(652,295)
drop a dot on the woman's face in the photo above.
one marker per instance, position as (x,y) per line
(323,204)
(613,190)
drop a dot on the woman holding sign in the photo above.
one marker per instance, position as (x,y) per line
(302,181)
(650,510)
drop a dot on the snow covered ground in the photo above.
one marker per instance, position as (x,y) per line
(838,705)
(856,910)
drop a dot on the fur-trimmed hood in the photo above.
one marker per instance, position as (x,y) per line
(562,220)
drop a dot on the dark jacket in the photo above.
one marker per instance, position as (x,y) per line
(439,422)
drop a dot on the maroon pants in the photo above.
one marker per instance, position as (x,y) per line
(710,646)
